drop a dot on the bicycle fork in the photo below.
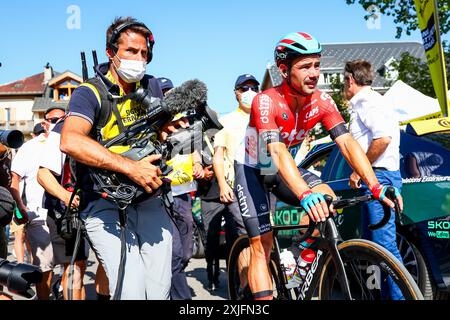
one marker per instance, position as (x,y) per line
(333,239)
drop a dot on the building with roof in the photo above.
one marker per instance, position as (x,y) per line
(335,55)
(23,102)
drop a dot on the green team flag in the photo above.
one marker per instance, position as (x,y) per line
(428,17)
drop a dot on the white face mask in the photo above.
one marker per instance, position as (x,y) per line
(131,70)
(51,127)
(247,98)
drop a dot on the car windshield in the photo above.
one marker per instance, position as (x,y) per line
(425,156)
(443,139)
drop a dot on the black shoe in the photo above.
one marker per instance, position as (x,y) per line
(216,283)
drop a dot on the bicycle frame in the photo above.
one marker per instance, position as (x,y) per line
(329,240)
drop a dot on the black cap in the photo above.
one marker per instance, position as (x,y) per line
(38,129)
(243,78)
(54,108)
(165,83)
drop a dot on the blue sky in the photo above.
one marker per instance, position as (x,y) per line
(214,41)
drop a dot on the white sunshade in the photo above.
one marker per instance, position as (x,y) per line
(409,103)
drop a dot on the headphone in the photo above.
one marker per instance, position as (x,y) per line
(112,43)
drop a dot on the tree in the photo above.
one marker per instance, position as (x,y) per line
(338,96)
(404,13)
(414,72)
(411,70)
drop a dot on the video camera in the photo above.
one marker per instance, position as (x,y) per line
(18,277)
(143,135)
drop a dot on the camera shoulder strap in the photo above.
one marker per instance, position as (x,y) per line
(108,104)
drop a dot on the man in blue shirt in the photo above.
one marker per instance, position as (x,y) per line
(148,233)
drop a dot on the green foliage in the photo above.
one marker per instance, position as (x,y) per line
(404,13)
(415,72)
(338,96)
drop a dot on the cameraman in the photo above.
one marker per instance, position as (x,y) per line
(147,272)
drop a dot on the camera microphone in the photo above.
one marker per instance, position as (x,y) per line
(187,97)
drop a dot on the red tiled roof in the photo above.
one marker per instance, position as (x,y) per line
(33,84)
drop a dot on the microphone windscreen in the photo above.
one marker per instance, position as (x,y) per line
(188,96)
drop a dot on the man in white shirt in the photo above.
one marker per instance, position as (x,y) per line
(225,143)
(25,166)
(373,124)
(54,176)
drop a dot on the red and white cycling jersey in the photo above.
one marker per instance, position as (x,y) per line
(274,120)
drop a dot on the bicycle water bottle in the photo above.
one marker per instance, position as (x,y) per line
(304,262)
(288,262)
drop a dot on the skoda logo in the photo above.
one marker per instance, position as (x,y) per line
(284,116)
(263,207)
(444,123)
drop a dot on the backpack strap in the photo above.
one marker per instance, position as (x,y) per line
(106,105)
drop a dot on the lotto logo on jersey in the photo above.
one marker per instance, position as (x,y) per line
(293,135)
(264,107)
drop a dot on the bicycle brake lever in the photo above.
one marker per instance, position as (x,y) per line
(328,199)
(390,193)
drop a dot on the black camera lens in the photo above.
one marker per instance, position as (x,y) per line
(18,277)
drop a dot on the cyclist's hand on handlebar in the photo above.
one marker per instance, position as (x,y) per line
(314,203)
(379,192)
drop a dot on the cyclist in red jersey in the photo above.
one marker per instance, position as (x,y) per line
(280,119)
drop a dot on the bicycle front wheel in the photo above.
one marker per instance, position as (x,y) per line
(371,270)
(238,262)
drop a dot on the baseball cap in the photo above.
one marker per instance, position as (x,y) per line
(54,108)
(243,78)
(38,129)
(165,83)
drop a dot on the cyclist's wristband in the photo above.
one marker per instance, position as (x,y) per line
(305,194)
(309,199)
(377,191)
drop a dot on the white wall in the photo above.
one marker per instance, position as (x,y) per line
(20,109)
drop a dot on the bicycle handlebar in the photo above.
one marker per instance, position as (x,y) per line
(390,193)
(344,203)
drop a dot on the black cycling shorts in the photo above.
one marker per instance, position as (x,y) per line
(252,193)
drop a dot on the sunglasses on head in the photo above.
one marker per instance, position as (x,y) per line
(246,88)
(53,120)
